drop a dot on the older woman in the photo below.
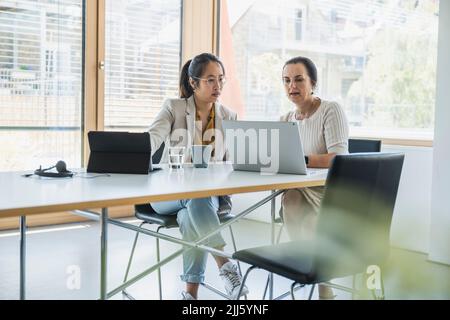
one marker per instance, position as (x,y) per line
(324,133)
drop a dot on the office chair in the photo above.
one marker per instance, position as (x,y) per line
(354,146)
(363,145)
(146,213)
(352,230)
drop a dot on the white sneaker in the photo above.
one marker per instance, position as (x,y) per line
(230,275)
(187,296)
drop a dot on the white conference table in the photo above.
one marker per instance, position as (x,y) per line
(21,197)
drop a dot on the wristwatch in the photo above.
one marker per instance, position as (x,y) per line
(306,160)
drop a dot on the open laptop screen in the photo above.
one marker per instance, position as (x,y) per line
(265,146)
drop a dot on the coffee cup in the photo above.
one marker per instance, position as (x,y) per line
(201,154)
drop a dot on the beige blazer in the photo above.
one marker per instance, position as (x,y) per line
(175,125)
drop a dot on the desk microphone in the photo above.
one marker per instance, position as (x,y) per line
(60,167)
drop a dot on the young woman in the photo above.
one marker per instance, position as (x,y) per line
(324,133)
(196,119)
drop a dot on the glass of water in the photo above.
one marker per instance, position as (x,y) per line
(176,157)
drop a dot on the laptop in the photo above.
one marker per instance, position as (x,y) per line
(265,146)
(119,152)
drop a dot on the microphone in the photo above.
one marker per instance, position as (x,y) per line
(60,166)
(40,168)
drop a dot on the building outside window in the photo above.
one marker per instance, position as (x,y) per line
(377,58)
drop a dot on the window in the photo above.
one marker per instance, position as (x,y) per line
(377,58)
(142,60)
(40,83)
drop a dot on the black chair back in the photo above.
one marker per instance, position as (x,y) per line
(354,222)
(363,145)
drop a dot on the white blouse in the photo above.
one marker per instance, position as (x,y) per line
(325,131)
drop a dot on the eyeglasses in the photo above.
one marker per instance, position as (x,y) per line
(212,81)
(297,80)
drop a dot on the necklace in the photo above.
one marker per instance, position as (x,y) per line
(313,109)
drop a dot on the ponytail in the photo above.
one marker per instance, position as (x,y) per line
(186,89)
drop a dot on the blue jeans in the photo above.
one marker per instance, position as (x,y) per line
(196,218)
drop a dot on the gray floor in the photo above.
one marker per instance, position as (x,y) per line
(55,254)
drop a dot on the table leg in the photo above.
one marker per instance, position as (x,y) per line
(104,253)
(23,248)
(272,240)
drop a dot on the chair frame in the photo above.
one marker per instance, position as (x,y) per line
(127,295)
(156,159)
(293,288)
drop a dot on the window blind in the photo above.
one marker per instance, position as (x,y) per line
(40,82)
(142,60)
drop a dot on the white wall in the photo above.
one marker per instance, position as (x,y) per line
(440,204)
(411,222)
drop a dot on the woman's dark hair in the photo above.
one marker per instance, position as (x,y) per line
(194,69)
(309,65)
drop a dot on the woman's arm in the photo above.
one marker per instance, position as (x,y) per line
(336,137)
(161,126)
(320,160)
